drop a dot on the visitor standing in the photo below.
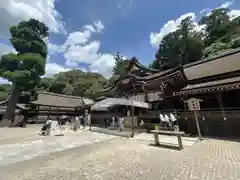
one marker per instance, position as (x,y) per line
(166,119)
(121,123)
(89,121)
(76,125)
(113,120)
(84,121)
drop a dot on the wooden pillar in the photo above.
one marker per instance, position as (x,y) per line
(37,113)
(138,118)
(198,126)
(90,120)
(133,122)
(49,109)
(59,110)
(184,116)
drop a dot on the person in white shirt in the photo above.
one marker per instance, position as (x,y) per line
(172,117)
(166,119)
(121,123)
(113,120)
(161,118)
(76,125)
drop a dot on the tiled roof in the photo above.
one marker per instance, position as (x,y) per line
(230,83)
(59,100)
(224,63)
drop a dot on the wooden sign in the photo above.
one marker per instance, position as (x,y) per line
(194,104)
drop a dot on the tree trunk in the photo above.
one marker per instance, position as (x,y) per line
(11,106)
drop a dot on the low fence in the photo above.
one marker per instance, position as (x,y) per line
(213,122)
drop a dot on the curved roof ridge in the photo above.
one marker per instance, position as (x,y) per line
(139,65)
(60,95)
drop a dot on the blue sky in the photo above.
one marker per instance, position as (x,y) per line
(86,33)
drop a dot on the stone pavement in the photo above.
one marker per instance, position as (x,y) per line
(25,148)
(126,133)
(124,159)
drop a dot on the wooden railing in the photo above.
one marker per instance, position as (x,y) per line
(214,114)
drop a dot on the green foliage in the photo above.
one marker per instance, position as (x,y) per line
(187,44)
(217,25)
(235,43)
(180,47)
(5,89)
(121,65)
(25,67)
(215,49)
(74,82)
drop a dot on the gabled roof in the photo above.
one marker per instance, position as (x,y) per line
(217,65)
(224,63)
(135,62)
(111,102)
(156,75)
(211,86)
(60,100)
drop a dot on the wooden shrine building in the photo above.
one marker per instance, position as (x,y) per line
(51,105)
(19,113)
(215,80)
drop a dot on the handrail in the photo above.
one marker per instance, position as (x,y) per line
(202,113)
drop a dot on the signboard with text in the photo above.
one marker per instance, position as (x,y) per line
(194,104)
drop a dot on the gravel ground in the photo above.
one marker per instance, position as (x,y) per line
(129,159)
(16,150)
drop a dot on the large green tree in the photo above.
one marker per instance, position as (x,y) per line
(219,33)
(24,67)
(75,82)
(121,65)
(179,47)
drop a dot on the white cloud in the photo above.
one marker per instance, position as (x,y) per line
(14,11)
(204,11)
(99,26)
(54,68)
(78,37)
(4,81)
(234,13)
(53,48)
(82,53)
(80,49)
(172,25)
(226,4)
(5,49)
(104,65)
